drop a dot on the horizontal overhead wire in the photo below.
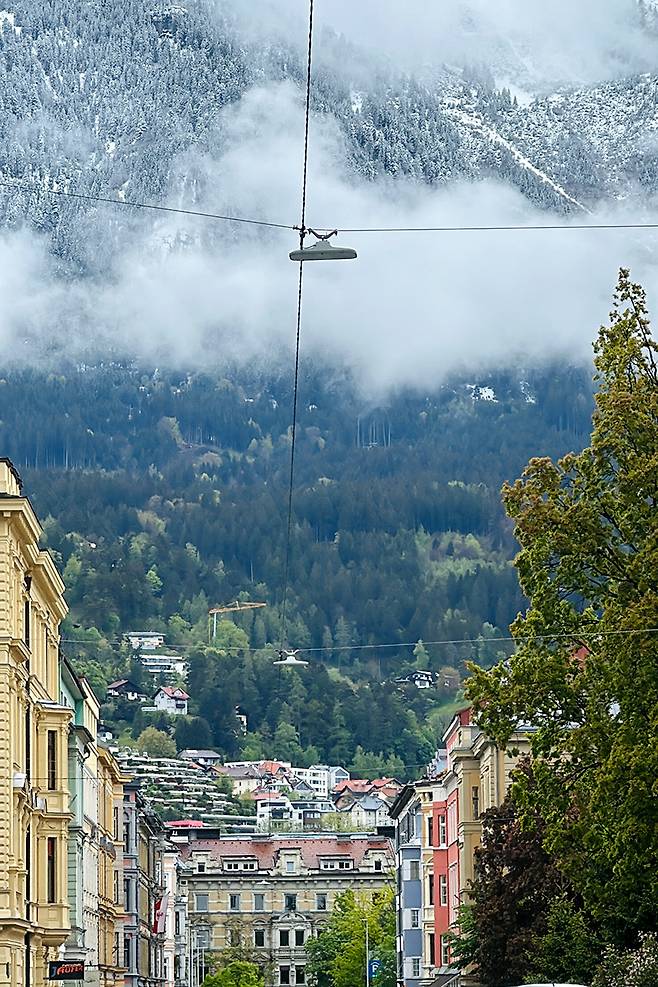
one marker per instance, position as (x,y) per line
(592,632)
(246,220)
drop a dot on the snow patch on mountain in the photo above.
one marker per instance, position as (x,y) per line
(7,17)
(481,393)
(476,122)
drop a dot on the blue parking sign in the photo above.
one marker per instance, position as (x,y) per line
(374,966)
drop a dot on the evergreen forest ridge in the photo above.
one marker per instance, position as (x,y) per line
(162,495)
(154,439)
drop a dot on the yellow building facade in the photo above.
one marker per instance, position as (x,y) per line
(34,799)
(110,870)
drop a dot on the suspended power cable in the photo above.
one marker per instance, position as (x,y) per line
(512,228)
(134,204)
(295,392)
(592,633)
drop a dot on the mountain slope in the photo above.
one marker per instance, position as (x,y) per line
(111,98)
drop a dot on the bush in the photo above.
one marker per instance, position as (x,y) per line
(632,967)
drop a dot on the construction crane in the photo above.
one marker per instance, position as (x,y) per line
(236,607)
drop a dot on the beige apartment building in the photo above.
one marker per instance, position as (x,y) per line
(273,893)
(34,799)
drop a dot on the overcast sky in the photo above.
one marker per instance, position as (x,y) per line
(540,42)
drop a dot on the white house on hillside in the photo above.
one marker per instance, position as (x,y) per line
(171,699)
(203,757)
(322,778)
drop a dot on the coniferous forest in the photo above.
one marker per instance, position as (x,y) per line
(163,494)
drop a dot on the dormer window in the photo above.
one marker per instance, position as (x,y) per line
(336,863)
(240,865)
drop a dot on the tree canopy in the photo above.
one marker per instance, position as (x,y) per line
(585,671)
(337,957)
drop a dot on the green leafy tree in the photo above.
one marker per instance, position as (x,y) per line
(337,957)
(508,929)
(237,973)
(585,673)
(192,731)
(568,950)
(156,743)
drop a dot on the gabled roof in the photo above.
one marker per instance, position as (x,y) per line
(272,767)
(124,683)
(173,692)
(369,803)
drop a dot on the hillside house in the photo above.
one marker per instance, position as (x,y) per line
(170,699)
(145,640)
(125,689)
(422,680)
(207,759)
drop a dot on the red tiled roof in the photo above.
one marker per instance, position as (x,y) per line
(267,849)
(272,767)
(363,785)
(173,692)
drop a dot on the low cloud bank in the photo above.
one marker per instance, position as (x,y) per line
(412,309)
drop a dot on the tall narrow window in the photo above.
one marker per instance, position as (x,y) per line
(52,760)
(28,742)
(28,871)
(430,889)
(51,879)
(475,799)
(430,832)
(27,620)
(442,831)
(443,890)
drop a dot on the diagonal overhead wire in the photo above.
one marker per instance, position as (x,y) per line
(135,204)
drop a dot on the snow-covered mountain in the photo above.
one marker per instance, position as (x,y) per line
(110,98)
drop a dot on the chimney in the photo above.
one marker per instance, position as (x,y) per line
(11,484)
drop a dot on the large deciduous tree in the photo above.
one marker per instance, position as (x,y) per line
(522,920)
(585,672)
(337,957)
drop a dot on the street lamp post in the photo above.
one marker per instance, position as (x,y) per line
(367,954)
